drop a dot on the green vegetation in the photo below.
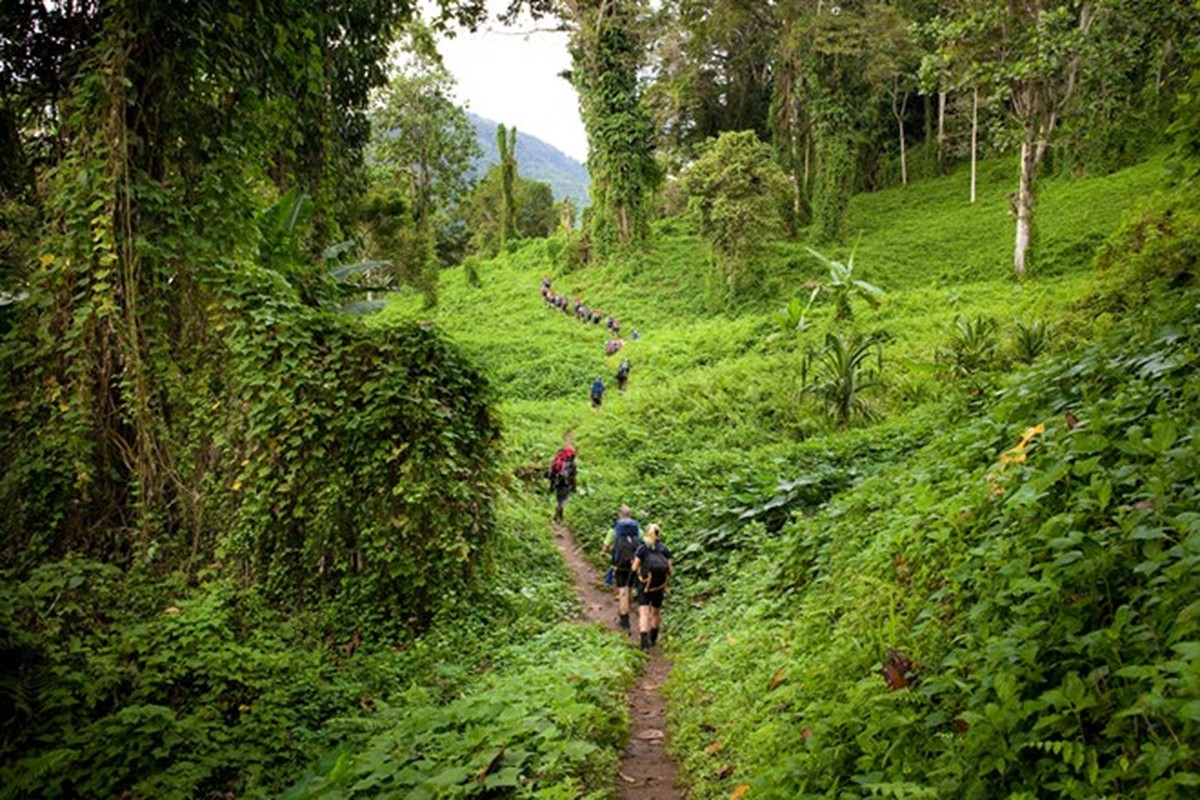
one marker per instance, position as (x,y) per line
(1036,592)
(936,528)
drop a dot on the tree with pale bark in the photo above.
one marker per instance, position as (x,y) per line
(1031,50)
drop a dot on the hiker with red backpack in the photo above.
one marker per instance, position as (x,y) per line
(562,476)
(653,568)
(623,543)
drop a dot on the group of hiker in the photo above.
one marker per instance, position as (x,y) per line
(586,314)
(640,565)
(611,347)
(581,310)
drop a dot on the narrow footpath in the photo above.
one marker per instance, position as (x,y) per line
(645,772)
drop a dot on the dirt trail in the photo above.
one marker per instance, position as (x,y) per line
(646,772)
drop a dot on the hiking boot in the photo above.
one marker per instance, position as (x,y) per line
(653,636)
(624,621)
(645,643)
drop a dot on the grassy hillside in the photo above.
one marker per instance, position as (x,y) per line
(1034,587)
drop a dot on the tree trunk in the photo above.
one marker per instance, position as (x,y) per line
(941,130)
(974,139)
(898,113)
(1026,194)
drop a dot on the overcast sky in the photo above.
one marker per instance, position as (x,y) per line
(511,75)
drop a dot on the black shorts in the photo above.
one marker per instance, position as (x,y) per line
(623,577)
(653,598)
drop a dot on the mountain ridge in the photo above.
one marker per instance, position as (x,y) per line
(536,160)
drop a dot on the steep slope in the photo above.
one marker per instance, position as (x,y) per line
(954,546)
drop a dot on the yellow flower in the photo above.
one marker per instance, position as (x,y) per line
(47,259)
(1029,433)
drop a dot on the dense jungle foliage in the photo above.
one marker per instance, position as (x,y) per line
(937,526)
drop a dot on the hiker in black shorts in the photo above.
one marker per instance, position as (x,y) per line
(653,568)
(623,542)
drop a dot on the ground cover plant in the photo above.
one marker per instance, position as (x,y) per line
(935,528)
(907,607)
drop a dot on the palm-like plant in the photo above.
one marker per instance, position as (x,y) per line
(843,285)
(972,347)
(841,371)
(1030,340)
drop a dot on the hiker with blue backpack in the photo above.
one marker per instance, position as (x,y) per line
(623,543)
(653,568)
(597,392)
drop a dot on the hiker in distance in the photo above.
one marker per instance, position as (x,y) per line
(653,568)
(623,374)
(597,392)
(562,475)
(623,542)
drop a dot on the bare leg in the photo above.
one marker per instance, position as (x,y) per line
(644,626)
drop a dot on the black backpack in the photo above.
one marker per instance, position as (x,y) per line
(566,475)
(625,546)
(654,569)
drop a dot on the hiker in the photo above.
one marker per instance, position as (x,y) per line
(562,475)
(623,374)
(597,392)
(653,568)
(634,334)
(623,542)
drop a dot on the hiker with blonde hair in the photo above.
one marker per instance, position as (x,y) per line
(653,568)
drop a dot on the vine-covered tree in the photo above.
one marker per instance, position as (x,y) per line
(154,131)
(422,145)
(737,191)
(607,53)
(506,146)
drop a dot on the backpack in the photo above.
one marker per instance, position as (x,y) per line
(626,540)
(655,568)
(623,369)
(566,475)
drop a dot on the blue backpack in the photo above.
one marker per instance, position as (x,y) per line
(626,538)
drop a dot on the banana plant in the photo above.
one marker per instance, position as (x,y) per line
(843,285)
(281,248)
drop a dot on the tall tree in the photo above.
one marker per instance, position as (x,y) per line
(423,144)
(165,125)
(836,64)
(607,53)
(506,145)
(712,71)
(534,214)
(1031,50)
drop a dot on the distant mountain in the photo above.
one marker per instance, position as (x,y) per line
(536,160)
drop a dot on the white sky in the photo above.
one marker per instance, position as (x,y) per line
(511,75)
